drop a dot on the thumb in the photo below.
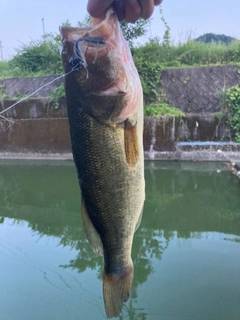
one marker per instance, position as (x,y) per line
(97,8)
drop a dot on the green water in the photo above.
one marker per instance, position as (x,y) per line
(186,252)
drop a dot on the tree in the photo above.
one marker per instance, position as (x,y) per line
(39,56)
(131,31)
(212,37)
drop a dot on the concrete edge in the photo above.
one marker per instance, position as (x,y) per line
(232,159)
(196,156)
(35,156)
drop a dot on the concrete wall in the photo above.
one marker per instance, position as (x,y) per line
(163,134)
(193,90)
(25,86)
(35,125)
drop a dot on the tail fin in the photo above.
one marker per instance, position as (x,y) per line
(116,290)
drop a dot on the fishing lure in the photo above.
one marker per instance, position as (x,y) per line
(78,60)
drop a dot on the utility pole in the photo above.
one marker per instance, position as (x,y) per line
(1,50)
(43,27)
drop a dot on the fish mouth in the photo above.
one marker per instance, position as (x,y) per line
(83,46)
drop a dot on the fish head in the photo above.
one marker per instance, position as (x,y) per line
(99,67)
(92,46)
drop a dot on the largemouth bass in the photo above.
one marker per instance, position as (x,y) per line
(105,111)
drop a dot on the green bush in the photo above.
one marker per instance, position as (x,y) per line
(233,105)
(39,57)
(229,100)
(150,75)
(57,94)
(3,93)
(159,110)
(5,71)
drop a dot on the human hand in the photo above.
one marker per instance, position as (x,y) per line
(130,10)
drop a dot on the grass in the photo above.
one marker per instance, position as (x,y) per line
(189,54)
(3,94)
(6,72)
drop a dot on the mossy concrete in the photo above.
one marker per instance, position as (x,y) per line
(38,128)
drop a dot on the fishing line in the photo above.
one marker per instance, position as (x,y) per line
(77,61)
(25,98)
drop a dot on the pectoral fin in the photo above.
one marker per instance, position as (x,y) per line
(131,142)
(90,231)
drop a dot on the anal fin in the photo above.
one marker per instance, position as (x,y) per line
(131,142)
(90,231)
(139,221)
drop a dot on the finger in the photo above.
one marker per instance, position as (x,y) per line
(147,8)
(132,10)
(157,2)
(97,8)
(119,9)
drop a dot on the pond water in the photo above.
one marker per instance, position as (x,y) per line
(186,251)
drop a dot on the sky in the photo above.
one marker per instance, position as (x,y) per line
(21,20)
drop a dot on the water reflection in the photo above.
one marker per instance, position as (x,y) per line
(190,201)
(182,201)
